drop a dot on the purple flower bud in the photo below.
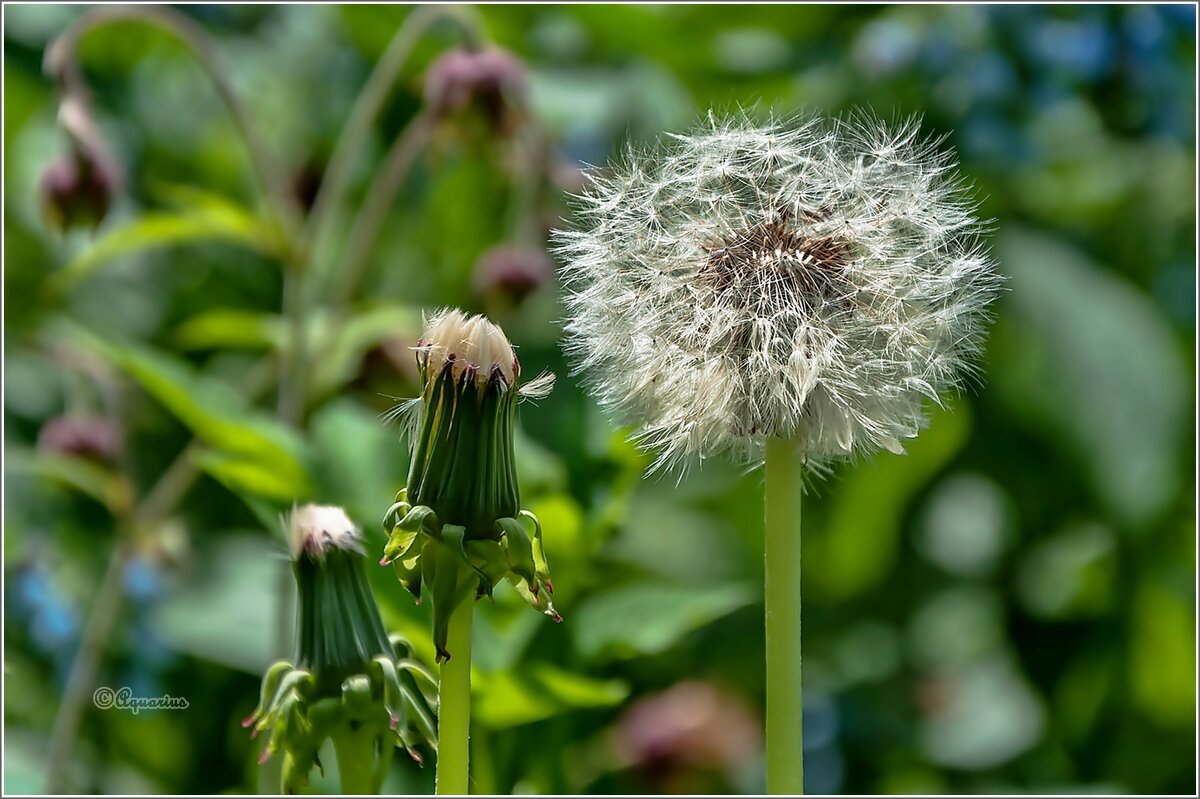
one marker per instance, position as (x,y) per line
(95,437)
(75,191)
(691,726)
(511,272)
(490,81)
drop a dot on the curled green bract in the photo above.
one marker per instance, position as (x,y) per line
(386,704)
(349,682)
(457,566)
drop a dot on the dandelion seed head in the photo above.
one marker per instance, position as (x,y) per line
(819,280)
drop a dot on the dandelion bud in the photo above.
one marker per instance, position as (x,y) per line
(492,82)
(815,281)
(94,437)
(75,190)
(349,681)
(457,526)
(510,274)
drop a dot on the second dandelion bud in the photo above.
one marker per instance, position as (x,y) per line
(458,527)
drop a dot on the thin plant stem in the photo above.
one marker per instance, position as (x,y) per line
(350,144)
(367,225)
(454,704)
(106,607)
(785,728)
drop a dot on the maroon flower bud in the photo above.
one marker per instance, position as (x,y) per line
(511,273)
(75,191)
(689,729)
(95,437)
(492,82)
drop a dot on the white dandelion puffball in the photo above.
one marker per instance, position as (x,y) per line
(811,279)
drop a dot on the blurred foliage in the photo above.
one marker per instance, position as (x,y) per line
(1009,608)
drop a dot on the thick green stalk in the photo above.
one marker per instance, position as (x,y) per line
(454,697)
(355,752)
(785,729)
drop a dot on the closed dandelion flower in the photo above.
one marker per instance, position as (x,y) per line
(810,280)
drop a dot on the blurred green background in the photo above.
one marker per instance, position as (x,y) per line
(1010,607)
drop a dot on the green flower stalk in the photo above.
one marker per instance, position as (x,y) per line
(457,526)
(350,681)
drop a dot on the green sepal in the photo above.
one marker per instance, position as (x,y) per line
(519,549)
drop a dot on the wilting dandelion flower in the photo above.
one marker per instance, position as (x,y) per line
(811,280)
(350,682)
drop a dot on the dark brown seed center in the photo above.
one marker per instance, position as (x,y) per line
(778,258)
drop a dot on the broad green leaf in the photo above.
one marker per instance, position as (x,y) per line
(102,484)
(856,546)
(252,476)
(1086,358)
(215,414)
(648,618)
(351,340)
(231,328)
(537,691)
(358,461)
(207,221)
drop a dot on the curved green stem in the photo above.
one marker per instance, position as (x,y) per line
(785,729)
(454,704)
(351,142)
(61,60)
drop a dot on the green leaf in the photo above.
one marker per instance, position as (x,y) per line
(231,328)
(208,219)
(1086,358)
(538,691)
(243,475)
(648,618)
(217,416)
(363,330)
(100,483)
(856,547)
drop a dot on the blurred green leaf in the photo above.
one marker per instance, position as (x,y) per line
(856,546)
(230,328)
(535,691)
(207,221)
(98,482)
(216,415)
(1087,358)
(364,329)
(226,613)
(651,617)
(1162,655)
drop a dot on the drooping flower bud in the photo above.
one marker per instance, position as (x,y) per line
(349,681)
(75,190)
(492,82)
(457,526)
(87,436)
(509,274)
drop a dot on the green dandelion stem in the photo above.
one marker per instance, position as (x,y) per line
(454,696)
(785,728)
